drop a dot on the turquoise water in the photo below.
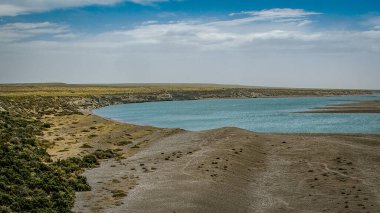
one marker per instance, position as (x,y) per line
(260,115)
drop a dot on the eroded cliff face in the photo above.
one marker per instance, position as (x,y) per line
(40,105)
(92,102)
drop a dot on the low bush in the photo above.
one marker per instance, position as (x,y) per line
(28,182)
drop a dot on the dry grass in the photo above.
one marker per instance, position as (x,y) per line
(86,90)
(91,89)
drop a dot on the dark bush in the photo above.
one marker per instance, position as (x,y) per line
(28,183)
(46,125)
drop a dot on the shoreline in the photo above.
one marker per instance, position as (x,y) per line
(190,175)
(147,182)
(339,108)
(233,98)
(372,106)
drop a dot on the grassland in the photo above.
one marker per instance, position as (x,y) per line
(59,90)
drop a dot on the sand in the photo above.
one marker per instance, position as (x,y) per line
(234,170)
(357,107)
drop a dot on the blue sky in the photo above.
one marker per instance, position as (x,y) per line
(295,43)
(95,17)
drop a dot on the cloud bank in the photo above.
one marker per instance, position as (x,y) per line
(278,47)
(17,7)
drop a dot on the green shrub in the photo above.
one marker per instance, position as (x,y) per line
(46,125)
(28,182)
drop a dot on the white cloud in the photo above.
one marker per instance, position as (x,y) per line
(266,52)
(17,7)
(278,13)
(66,36)
(150,22)
(10,10)
(146,2)
(304,23)
(371,34)
(372,21)
(16,31)
(210,36)
(203,36)
(222,34)
(274,15)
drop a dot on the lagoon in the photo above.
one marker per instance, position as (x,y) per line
(259,115)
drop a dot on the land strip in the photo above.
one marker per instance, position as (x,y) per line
(357,107)
(166,170)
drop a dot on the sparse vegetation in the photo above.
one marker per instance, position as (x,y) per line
(123,143)
(29,181)
(118,193)
(89,90)
(46,125)
(92,136)
(135,146)
(85,146)
(115,181)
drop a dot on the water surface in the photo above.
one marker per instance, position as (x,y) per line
(259,114)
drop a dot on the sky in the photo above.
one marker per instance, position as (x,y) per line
(293,43)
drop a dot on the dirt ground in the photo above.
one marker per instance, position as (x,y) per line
(234,170)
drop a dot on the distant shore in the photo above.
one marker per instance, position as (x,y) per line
(87,97)
(357,107)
